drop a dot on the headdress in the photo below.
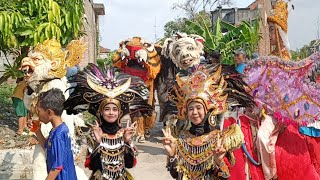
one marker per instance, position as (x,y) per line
(216,87)
(279,15)
(52,50)
(97,87)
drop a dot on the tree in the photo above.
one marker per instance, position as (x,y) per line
(305,50)
(246,35)
(180,25)
(191,7)
(25,23)
(106,61)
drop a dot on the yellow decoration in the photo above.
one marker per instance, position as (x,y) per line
(196,154)
(111,93)
(207,89)
(76,50)
(52,50)
(280,15)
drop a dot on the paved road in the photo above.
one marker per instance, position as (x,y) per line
(151,163)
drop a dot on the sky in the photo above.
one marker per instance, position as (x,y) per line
(146,18)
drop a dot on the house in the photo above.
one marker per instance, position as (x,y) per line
(92,12)
(104,53)
(233,16)
(258,8)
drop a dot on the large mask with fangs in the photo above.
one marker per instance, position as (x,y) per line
(49,61)
(138,57)
(184,50)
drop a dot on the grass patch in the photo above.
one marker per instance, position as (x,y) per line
(6,109)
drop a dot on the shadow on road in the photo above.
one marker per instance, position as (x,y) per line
(150,150)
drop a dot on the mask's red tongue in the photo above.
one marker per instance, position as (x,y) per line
(133,50)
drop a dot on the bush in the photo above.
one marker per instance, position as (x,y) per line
(6,109)
(6,91)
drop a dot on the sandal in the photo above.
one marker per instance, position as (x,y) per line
(141,139)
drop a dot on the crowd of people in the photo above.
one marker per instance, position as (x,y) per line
(213,128)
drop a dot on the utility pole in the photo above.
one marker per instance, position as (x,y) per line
(155,29)
(318,25)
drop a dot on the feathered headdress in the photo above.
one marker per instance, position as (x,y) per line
(216,87)
(100,86)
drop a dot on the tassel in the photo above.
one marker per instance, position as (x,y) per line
(233,137)
(263,112)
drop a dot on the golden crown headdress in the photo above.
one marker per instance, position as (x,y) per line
(202,87)
(51,49)
(280,15)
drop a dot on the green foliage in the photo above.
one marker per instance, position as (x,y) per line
(305,51)
(6,91)
(89,118)
(246,36)
(181,24)
(7,112)
(106,61)
(12,70)
(25,23)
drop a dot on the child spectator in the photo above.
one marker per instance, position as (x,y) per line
(17,100)
(60,162)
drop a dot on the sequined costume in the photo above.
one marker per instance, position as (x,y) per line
(196,156)
(178,53)
(290,97)
(97,87)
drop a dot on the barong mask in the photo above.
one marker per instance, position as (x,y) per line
(184,50)
(49,61)
(138,53)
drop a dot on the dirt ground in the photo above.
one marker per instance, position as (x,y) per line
(151,159)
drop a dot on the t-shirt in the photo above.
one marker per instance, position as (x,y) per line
(59,153)
(19,90)
(240,68)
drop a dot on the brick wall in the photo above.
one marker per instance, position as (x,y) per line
(90,37)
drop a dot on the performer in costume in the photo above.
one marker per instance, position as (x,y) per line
(290,130)
(109,95)
(278,28)
(198,151)
(179,53)
(187,49)
(137,57)
(45,68)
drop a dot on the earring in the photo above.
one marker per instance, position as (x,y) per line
(119,118)
(212,119)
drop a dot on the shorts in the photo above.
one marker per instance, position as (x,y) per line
(19,106)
